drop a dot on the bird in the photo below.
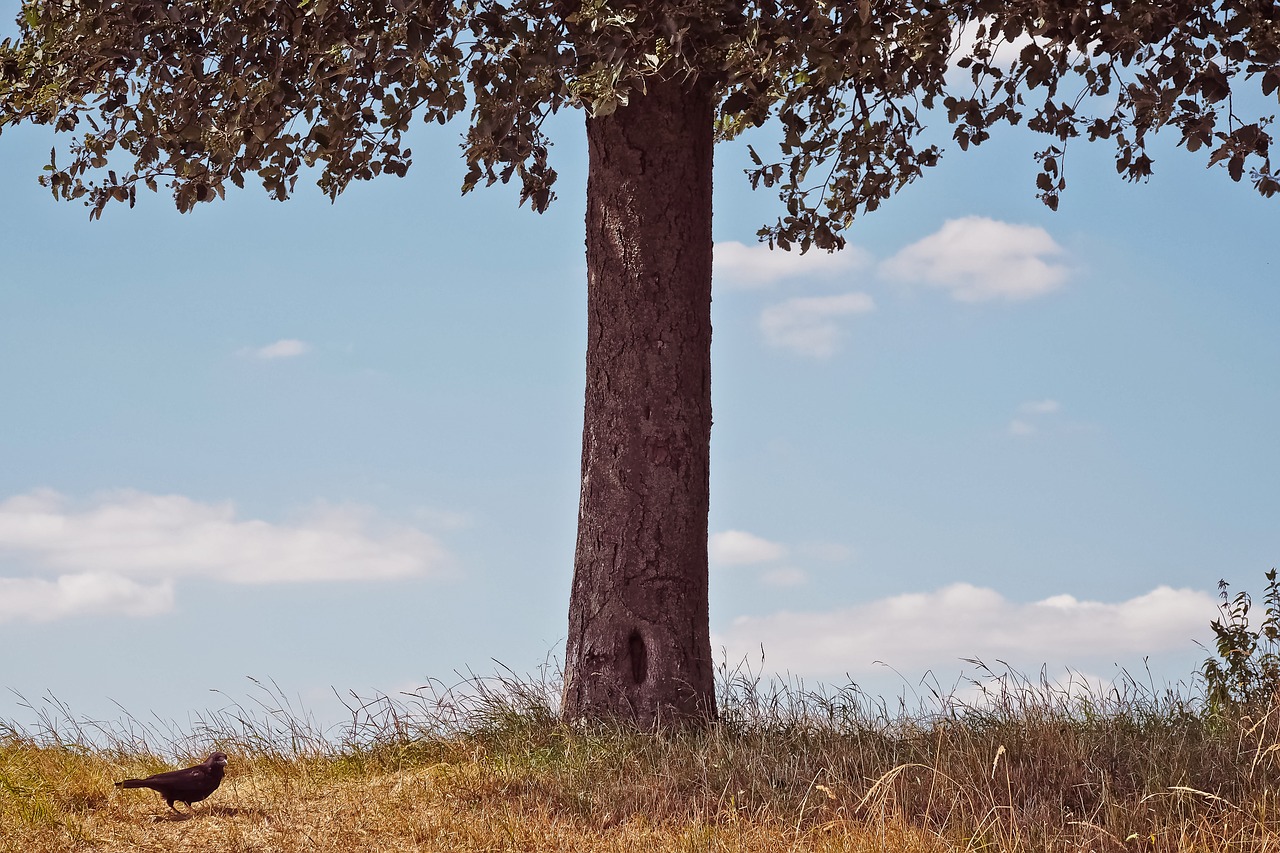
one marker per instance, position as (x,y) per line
(184,786)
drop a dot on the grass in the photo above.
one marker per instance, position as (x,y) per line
(1023,766)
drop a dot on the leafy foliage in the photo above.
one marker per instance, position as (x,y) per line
(201,93)
(1161,64)
(1245,675)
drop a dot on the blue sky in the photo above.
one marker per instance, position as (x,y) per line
(337,445)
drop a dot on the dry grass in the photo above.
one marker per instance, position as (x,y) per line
(488,767)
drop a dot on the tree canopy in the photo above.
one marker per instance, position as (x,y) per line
(198,94)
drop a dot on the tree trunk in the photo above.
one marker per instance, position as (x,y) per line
(639,644)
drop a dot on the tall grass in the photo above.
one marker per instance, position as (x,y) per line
(1019,764)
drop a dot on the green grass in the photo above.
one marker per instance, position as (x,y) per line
(488,766)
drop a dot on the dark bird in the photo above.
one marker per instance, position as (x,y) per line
(184,786)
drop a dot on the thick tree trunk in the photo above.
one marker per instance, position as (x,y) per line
(639,644)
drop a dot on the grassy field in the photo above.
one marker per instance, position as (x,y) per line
(1023,767)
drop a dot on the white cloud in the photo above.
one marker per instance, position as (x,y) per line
(141,536)
(737,548)
(809,325)
(742,267)
(938,629)
(1003,53)
(1041,407)
(979,259)
(284,348)
(785,576)
(39,600)
(1020,428)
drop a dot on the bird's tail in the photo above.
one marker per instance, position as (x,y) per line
(131,783)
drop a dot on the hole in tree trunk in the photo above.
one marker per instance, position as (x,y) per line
(639,657)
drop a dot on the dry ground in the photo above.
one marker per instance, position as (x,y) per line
(429,809)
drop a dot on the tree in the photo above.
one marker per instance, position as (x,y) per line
(199,94)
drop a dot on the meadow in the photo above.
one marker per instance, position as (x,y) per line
(1025,766)
(1017,764)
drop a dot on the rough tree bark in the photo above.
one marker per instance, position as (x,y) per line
(639,644)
